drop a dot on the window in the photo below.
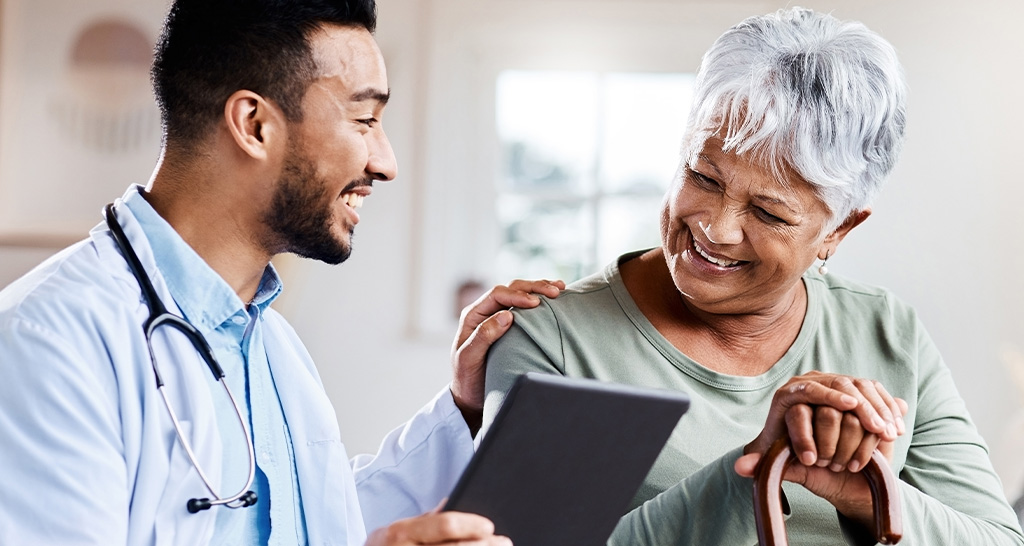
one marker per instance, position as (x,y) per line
(585,160)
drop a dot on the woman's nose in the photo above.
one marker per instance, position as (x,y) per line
(723,227)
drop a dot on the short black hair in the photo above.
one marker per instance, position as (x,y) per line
(209,49)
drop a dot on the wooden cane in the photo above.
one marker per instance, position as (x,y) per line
(771,524)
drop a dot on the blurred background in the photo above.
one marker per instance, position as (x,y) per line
(535,139)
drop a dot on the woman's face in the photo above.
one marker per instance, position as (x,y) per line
(735,239)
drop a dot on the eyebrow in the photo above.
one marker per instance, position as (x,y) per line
(759,197)
(371,93)
(710,163)
(776,201)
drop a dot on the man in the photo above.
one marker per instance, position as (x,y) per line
(272,116)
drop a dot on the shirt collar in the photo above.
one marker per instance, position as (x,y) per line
(203,296)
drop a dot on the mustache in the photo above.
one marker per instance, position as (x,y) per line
(367,181)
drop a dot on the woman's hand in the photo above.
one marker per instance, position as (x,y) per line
(833,423)
(448,528)
(480,325)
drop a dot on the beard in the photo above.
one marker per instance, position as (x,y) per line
(301,215)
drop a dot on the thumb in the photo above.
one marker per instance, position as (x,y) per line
(747,464)
(476,345)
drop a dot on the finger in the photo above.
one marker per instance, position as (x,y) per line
(827,422)
(470,358)
(850,438)
(487,332)
(863,453)
(801,433)
(798,391)
(449,527)
(865,410)
(882,402)
(895,409)
(490,541)
(747,464)
(815,394)
(550,289)
(502,297)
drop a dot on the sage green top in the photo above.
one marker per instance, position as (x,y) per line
(949,491)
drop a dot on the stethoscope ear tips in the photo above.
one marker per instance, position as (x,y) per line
(248,499)
(195,505)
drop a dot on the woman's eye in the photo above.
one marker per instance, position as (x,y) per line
(767,216)
(704,180)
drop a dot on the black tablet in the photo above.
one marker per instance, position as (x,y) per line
(564,457)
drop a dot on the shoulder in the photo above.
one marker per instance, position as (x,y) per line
(866,319)
(855,299)
(586,296)
(70,290)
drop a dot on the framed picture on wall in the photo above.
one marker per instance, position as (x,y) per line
(78,122)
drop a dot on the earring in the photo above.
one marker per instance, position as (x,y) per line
(823,269)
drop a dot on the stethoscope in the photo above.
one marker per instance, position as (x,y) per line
(160,316)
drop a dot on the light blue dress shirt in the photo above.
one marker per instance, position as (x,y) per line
(233,330)
(88,451)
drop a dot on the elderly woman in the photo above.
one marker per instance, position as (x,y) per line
(797,120)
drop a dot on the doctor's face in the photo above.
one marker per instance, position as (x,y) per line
(338,149)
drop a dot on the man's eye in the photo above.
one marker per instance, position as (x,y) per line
(369,122)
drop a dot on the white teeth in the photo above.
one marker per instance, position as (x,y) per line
(353,200)
(712,259)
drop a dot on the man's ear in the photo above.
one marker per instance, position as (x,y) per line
(256,125)
(832,240)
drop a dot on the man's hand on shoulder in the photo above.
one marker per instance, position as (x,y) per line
(480,325)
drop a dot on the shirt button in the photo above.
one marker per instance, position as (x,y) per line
(238,320)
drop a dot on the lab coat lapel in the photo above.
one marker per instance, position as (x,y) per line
(325,483)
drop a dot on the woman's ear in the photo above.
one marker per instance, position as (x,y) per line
(832,240)
(255,124)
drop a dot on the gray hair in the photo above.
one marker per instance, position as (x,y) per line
(802,89)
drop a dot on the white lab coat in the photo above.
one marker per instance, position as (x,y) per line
(89,455)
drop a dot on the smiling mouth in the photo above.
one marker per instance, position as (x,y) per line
(353,200)
(720,262)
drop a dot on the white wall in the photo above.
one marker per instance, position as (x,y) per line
(945,234)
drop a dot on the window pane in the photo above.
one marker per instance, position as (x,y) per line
(644,118)
(586,160)
(547,128)
(627,223)
(544,239)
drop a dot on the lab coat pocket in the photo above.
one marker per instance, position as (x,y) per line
(174,524)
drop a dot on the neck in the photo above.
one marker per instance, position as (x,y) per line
(196,199)
(747,343)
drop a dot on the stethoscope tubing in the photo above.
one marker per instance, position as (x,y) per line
(160,316)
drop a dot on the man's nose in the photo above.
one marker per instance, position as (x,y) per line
(381,163)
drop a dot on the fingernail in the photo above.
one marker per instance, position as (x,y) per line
(878,423)
(849,400)
(836,467)
(891,429)
(854,466)
(504,318)
(823,463)
(808,458)
(901,424)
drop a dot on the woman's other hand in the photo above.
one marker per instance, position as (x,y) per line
(833,423)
